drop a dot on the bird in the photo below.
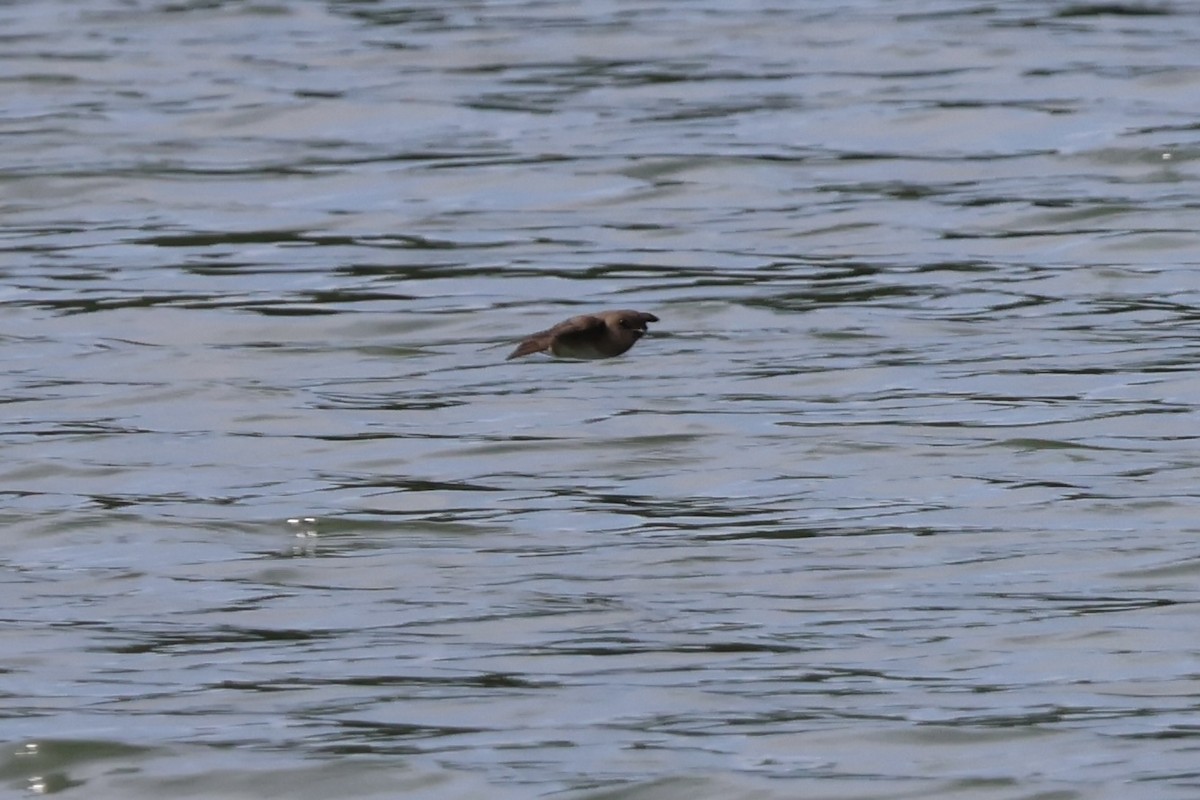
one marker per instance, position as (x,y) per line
(601,335)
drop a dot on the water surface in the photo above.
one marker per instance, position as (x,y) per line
(896,501)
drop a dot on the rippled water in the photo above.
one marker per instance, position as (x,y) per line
(896,501)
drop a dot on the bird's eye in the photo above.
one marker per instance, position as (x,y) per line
(624,323)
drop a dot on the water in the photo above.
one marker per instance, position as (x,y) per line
(896,501)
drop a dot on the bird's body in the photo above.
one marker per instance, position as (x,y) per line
(601,335)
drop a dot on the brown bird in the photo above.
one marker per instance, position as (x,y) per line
(601,335)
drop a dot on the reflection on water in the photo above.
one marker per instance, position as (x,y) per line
(897,498)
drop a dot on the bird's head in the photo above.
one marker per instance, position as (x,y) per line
(632,323)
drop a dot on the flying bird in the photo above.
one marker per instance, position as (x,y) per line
(601,335)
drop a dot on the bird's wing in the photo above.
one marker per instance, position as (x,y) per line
(576,329)
(534,344)
(569,330)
